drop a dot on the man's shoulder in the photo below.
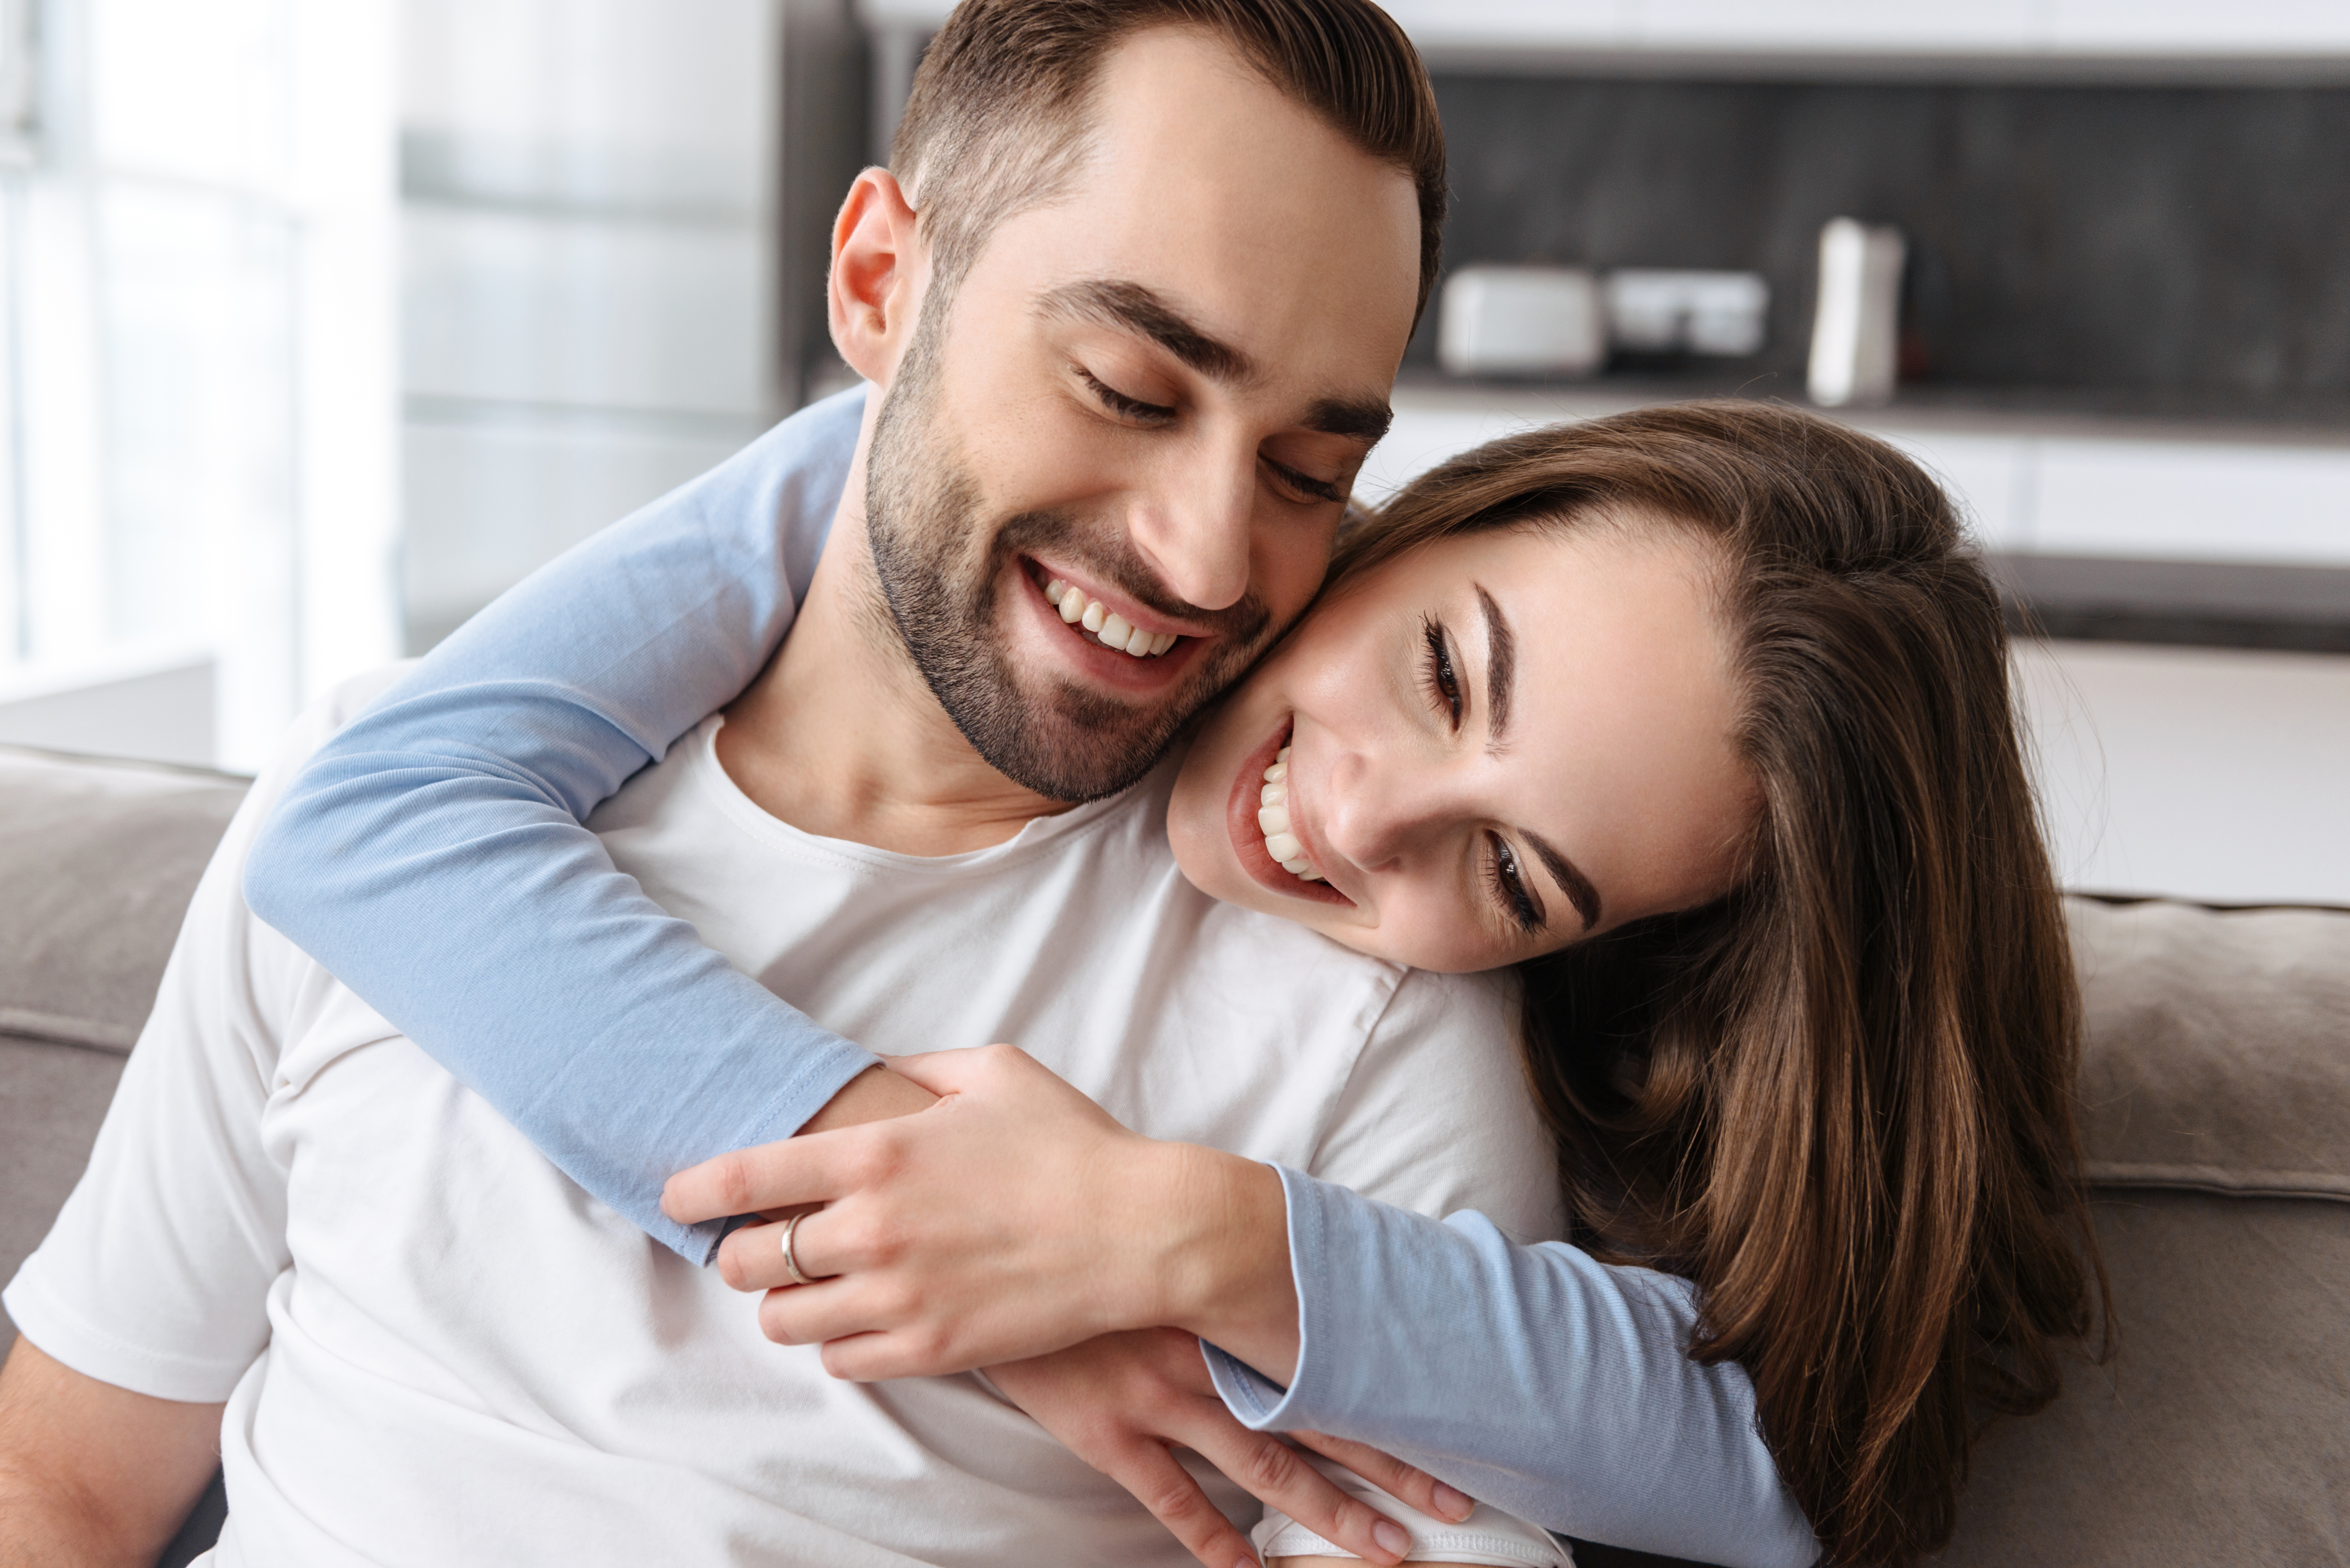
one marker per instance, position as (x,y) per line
(1486,1000)
(1438,1117)
(1477,1014)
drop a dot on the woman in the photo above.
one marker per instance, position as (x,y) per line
(1839,1097)
(1820,1066)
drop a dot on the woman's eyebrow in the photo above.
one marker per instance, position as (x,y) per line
(1501,669)
(1571,881)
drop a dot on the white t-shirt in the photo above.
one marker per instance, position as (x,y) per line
(436,1348)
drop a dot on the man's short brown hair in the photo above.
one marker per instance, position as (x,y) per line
(997,119)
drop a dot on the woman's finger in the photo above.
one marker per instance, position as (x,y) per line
(1384,1471)
(752,1257)
(828,1310)
(754,1181)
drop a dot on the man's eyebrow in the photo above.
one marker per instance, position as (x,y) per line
(1571,882)
(1135,308)
(1363,418)
(1500,669)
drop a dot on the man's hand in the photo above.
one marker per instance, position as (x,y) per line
(1011,1219)
(90,1473)
(1122,1403)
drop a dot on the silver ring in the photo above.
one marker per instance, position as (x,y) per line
(791,1259)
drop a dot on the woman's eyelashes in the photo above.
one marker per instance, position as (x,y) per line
(1505,874)
(1510,887)
(1443,684)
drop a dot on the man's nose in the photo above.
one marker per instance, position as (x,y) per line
(1196,529)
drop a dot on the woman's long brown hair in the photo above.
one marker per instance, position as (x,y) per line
(1840,1099)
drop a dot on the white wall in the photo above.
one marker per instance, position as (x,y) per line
(2216,773)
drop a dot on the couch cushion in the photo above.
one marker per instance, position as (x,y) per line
(2218,1051)
(2219,1432)
(99,860)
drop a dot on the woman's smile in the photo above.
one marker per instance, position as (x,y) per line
(1262,773)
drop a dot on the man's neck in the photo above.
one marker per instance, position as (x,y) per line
(841,736)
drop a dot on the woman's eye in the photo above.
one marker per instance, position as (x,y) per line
(1121,405)
(1510,887)
(1443,685)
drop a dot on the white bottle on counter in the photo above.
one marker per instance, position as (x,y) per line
(1856,336)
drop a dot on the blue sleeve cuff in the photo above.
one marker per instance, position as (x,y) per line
(1256,1401)
(825,1064)
(1533,1378)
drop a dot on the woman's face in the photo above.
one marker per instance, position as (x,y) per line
(1497,745)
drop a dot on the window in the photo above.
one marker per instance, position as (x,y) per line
(18,99)
(197,381)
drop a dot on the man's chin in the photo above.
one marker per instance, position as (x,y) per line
(1072,745)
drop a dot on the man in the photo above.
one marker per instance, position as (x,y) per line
(1144,346)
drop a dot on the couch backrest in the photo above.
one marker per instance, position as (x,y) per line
(2215,1093)
(2218,1049)
(97,861)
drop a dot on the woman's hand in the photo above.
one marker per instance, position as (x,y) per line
(1123,1402)
(1011,1219)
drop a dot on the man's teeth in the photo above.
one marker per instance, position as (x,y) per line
(1272,817)
(1106,625)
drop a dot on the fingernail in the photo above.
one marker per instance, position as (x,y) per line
(1455,1506)
(1390,1535)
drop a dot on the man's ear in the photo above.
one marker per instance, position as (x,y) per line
(880,270)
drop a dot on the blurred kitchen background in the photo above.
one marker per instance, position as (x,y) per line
(322,322)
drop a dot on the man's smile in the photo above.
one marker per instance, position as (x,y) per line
(1112,640)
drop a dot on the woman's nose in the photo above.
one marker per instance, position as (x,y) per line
(1377,817)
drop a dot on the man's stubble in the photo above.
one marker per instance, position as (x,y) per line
(940,561)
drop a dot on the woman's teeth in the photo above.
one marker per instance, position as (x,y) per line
(1273,816)
(1106,625)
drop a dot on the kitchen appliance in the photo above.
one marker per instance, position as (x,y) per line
(1856,334)
(1522,321)
(1654,311)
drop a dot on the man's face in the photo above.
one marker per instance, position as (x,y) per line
(1153,395)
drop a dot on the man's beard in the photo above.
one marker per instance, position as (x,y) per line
(940,561)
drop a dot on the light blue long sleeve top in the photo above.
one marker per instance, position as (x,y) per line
(432,856)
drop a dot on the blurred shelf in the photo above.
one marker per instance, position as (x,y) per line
(2291,420)
(2193,603)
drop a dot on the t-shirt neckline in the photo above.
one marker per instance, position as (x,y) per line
(1036,835)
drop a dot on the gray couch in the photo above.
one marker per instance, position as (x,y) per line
(2216,1090)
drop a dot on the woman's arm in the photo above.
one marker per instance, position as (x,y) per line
(432,855)
(1532,1377)
(1552,1385)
